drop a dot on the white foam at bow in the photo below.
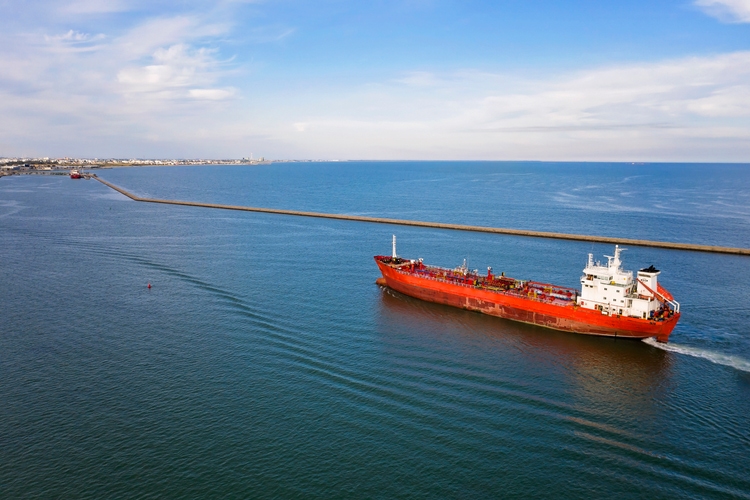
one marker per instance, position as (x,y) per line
(714,357)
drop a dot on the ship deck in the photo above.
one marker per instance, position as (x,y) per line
(503,285)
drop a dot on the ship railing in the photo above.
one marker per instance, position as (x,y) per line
(445,279)
(611,310)
(675,305)
(608,309)
(552,288)
(547,298)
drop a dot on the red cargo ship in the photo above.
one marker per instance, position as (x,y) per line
(611,301)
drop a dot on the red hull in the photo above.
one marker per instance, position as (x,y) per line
(566,317)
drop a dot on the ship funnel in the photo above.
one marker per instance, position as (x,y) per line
(394,247)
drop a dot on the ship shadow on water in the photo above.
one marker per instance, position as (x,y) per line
(623,373)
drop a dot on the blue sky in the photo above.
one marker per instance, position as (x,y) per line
(411,79)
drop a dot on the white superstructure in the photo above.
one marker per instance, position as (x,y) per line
(613,291)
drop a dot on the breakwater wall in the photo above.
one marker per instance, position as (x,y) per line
(440,225)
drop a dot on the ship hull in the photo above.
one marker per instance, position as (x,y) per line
(568,317)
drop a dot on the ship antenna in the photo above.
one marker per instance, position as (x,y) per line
(394,246)
(617,261)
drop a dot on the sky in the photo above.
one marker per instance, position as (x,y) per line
(626,80)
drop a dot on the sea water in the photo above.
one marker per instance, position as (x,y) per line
(265,363)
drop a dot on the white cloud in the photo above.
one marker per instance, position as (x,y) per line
(73,89)
(668,92)
(684,109)
(73,42)
(419,79)
(212,94)
(73,36)
(172,69)
(726,102)
(163,87)
(153,34)
(736,11)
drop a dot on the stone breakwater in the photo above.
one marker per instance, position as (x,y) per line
(440,225)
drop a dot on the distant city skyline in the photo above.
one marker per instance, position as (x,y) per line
(411,79)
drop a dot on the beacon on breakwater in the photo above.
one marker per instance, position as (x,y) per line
(612,302)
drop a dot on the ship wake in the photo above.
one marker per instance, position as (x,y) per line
(735,362)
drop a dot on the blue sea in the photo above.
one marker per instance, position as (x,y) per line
(264,362)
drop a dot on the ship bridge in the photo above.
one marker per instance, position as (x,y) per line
(613,291)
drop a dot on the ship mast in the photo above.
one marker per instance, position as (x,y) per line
(394,247)
(614,262)
(617,262)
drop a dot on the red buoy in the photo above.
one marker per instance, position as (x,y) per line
(149,285)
